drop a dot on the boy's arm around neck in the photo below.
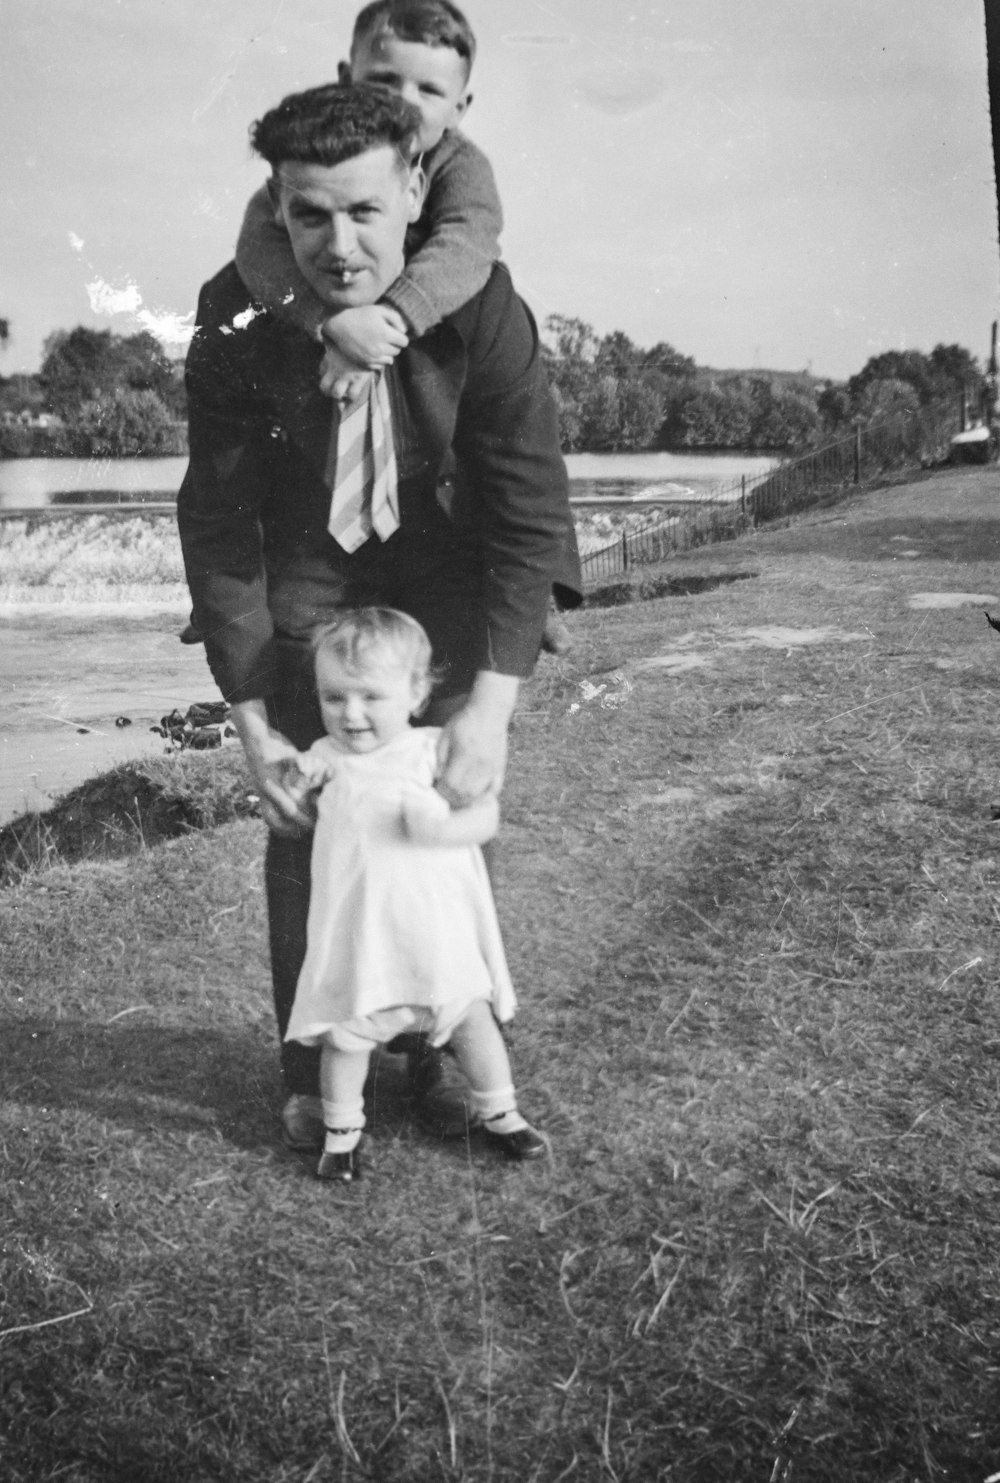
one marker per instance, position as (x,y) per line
(463,219)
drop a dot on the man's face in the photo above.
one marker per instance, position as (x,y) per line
(433,78)
(347,223)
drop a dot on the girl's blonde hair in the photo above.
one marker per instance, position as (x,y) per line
(361,637)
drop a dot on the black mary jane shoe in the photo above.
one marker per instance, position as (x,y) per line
(521,1147)
(340,1168)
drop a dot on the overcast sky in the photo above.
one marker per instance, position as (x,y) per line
(780,183)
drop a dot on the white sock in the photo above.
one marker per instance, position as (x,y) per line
(505,1122)
(344,1122)
(498,1110)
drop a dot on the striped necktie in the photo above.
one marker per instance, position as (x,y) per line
(361,470)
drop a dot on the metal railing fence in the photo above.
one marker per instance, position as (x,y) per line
(819,477)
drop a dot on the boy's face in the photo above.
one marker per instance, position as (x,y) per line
(433,78)
(347,223)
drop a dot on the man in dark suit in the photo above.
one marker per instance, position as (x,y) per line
(475,536)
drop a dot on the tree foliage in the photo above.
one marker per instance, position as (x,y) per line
(664,360)
(614,395)
(887,398)
(734,410)
(610,393)
(618,412)
(785,414)
(125,424)
(84,365)
(119,395)
(116,395)
(947,370)
(835,409)
(716,416)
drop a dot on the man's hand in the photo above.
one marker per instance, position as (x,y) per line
(287,799)
(472,751)
(370,336)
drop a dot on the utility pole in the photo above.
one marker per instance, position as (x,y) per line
(993,82)
(991,388)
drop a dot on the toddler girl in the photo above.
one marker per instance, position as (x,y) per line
(402,932)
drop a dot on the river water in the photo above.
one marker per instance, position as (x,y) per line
(34,483)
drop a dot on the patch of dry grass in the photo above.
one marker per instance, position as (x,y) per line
(751,911)
(132,807)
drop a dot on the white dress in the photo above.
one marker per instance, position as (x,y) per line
(391,922)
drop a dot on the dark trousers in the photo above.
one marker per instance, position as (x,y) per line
(286,881)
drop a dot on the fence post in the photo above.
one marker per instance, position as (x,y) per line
(743,494)
(857,453)
(624,551)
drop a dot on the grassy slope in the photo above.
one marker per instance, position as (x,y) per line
(744,907)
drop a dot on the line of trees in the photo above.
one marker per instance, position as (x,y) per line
(97,395)
(613,395)
(104,395)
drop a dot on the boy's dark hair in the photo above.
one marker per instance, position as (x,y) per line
(330,124)
(432,22)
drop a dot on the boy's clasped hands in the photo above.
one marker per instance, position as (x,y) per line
(358,342)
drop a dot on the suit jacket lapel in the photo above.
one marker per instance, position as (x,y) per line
(431,373)
(306,416)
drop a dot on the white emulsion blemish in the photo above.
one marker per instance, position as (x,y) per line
(170,328)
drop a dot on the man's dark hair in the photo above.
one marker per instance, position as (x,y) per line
(431,22)
(330,124)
